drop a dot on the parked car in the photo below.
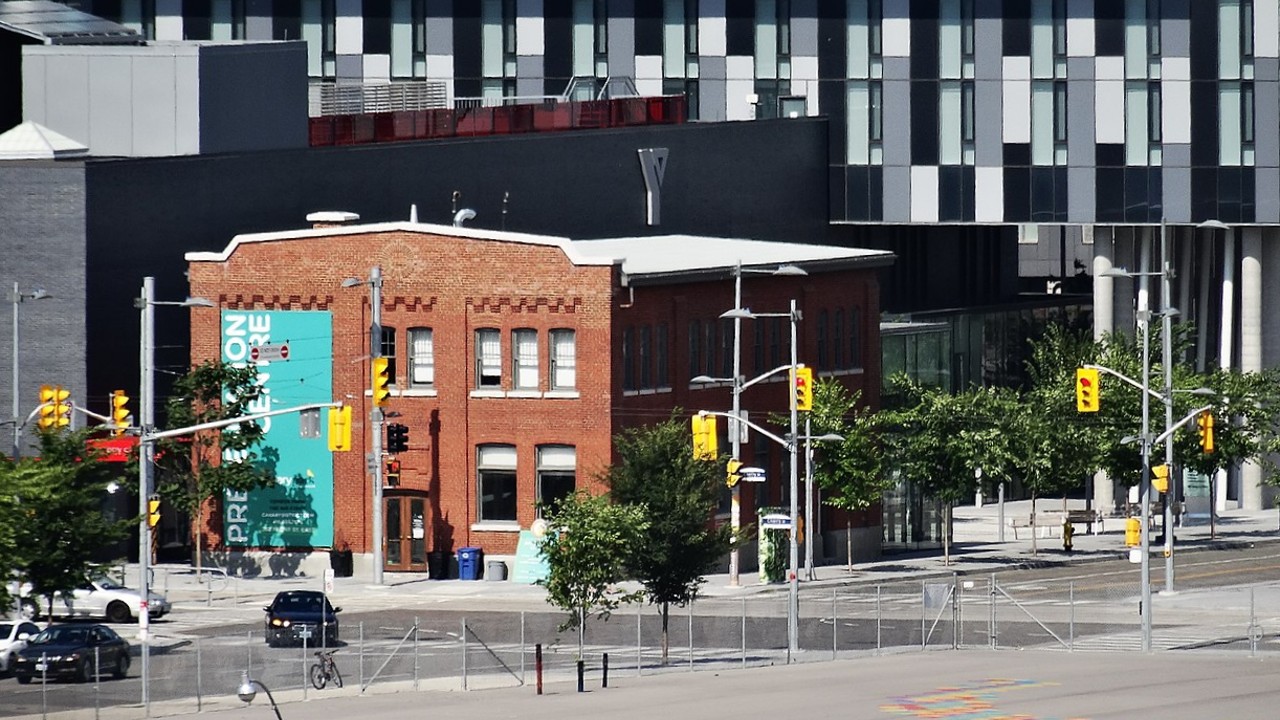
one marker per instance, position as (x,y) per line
(79,652)
(13,637)
(295,615)
(98,597)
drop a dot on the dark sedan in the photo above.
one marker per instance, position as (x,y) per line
(77,652)
(295,616)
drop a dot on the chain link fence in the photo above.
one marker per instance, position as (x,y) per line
(445,651)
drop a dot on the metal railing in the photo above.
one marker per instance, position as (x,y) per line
(327,99)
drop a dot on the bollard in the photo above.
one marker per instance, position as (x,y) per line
(537,665)
(1068,530)
(581,676)
(604,672)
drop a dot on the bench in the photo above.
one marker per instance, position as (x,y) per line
(1087,518)
(1050,520)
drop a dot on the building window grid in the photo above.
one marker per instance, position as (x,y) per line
(822,340)
(422,360)
(557,475)
(524,359)
(855,338)
(709,348)
(628,359)
(564,359)
(388,350)
(646,357)
(726,348)
(488,358)
(695,352)
(496,483)
(837,358)
(662,357)
(1154,34)
(775,342)
(782,16)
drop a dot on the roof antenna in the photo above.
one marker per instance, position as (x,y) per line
(453,209)
(506,197)
(462,216)
(413,213)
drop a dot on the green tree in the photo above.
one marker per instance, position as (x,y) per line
(587,549)
(193,469)
(679,544)
(60,528)
(851,473)
(935,441)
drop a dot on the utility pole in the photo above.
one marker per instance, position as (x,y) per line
(376,419)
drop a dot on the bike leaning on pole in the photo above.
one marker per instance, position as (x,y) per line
(325,670)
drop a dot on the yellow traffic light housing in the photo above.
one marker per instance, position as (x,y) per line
(340,429)
(1205,423)
(1160,478)
(705,444)
(1087,390)
(802,382)
(381,381)
(55,407)
(153,511)
(119,412)
(732,476)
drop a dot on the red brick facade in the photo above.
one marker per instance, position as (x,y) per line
(457,281)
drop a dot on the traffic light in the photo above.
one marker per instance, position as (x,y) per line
(732,477)
(55,407)
(1205,422)
(704,437)
(392,474)
(802,380)
(340,429)
(397,438)
(119,412)
(1087,390)
(1160,478)
(153,511)
(381,382)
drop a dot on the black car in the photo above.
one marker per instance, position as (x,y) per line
(78,652)
(296,615)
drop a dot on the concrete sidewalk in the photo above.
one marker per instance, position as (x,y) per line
(978,549)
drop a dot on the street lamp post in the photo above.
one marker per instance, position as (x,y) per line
(735,425)
(375,412)
(18,298)
(146,452)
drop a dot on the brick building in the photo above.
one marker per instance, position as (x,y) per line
(515,358)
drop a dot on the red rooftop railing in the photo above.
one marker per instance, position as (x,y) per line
(502,120)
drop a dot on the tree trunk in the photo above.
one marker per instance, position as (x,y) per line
(666,616)
(199,535)
(1033,522)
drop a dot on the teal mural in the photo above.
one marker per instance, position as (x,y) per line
(293,351)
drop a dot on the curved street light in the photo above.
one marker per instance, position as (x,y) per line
(37,293)
(247,692)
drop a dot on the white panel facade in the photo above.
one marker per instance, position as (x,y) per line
(349,27)
(1016,100)
(924,193)
(1108,120)
(530,34)
(988,194)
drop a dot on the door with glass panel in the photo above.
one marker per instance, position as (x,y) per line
(406,533)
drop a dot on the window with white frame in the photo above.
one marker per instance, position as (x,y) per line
(422,358)
(488,358)
(388,348)
(524,357)
(557,474)
(496,483)
(564,359)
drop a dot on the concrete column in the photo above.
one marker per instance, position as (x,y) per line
(1104,496)
(1124,255)
(1251,345)
(1225,336)
(1204,300)
(1183,248)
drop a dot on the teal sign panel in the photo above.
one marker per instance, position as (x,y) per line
(531,566)
(293,351)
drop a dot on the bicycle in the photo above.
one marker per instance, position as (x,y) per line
(325,670)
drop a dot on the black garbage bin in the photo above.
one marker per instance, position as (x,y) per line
(342,562)
(438,565)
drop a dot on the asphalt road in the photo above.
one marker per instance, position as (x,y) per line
(1079,606)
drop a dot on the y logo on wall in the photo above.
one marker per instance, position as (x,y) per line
(653,163)
(297,510)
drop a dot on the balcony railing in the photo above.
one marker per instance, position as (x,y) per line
(396,126)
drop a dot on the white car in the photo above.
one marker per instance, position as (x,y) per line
(95,598)
(13,637)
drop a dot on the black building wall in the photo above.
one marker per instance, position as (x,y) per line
(763,180)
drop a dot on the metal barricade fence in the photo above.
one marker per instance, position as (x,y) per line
(447,651)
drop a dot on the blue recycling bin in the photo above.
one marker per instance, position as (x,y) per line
(469,563)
